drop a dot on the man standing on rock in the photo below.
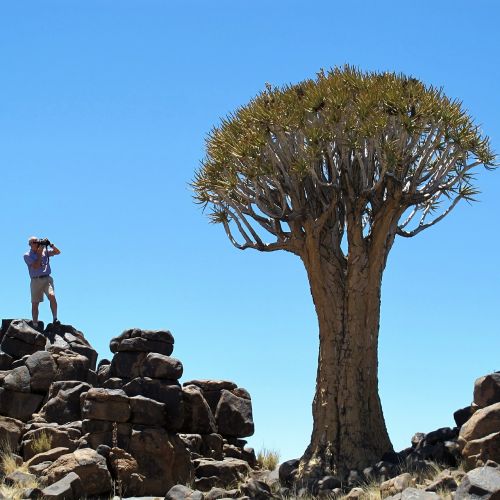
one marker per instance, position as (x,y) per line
(37,260)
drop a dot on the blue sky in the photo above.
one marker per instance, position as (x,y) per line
(104,109)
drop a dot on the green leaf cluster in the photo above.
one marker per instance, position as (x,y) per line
(341,108)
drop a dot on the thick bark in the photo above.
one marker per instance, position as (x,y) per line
(349,431)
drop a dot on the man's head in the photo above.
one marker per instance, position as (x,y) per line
(33,241)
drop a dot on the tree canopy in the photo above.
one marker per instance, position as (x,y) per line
(345,142)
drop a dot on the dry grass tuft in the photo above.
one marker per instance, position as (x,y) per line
(268,459)
(42,443)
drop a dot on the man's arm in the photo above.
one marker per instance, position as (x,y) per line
(34,261)
(54,250)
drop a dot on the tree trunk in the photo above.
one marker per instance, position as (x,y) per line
(349,431)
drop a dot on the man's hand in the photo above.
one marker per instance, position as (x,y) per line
(54,251)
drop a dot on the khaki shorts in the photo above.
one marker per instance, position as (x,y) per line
(41,286)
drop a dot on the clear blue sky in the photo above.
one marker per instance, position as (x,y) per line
(104,109)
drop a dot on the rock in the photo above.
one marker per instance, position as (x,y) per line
(147,411)
(127,365)
(18,380)
(417,438)
(68,488)
(88,465)
(63,403)
(478,451)
(162,458)
(198,417)
(256,490)
(229,470)
(287,471)
(19,405)
(212,446)
(329,483)
(31,493)
(234,415)
(445,481)
(42,370)
(19,478)
(72,366)
(20,339)
(39,469)
(180,492)
(487,390)
(160,366)
(137,340)
(5,361)
(483,422)
(212,390)
(414,494)
(396,484)
(10,432)
(113,383)
(112,405)
(443,434)
(168,393)
(100,432)
(355,493)
(54,437)
(48,456)
(462,415)
(124,468)
(480,483)
(220,493)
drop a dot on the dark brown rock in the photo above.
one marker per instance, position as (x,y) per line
(147,411)
(234,415)
(125,470)
(71,366)
(88,465)
(10,432)
(487,390)
(48,456)
(180,492)
(229,471)
(18,380)
(138,340)
(59,437)
(63,403)
(19,405)
(42,369)
(164,391)
(198,417)
(162,458)
(480,483)
(100,432)
(20,339)
(105,404)
(483,422)
(69,487)
(160,366)
(127,365)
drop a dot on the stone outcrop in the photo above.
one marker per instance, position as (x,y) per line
(479,437)
(128,422)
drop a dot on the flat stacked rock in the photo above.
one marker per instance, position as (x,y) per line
(479,437)
(217,415)
(80,429)
(139,408)
(32,361)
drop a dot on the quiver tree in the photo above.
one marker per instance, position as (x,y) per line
(332,169)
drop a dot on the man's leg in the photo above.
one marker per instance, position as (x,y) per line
(53,305)
(34,312)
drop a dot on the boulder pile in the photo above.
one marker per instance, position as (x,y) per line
(473,444)
(128,427)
